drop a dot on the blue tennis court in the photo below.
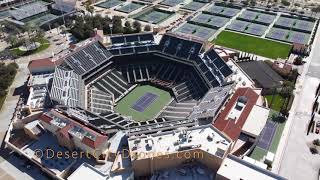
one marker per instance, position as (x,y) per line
(267,134)
(144,101)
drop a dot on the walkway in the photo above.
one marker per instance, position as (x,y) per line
(293,159)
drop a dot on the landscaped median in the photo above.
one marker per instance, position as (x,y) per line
(259,46)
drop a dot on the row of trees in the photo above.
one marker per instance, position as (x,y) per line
(19,35)
(83,27)
(7,74)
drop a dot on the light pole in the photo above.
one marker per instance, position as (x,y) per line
(111,26)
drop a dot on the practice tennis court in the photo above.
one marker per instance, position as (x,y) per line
(200,32)
(267,134)
(128,8)
(109,4)
(153,16)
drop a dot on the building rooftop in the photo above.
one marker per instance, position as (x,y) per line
(54,164)
(42,79)
(68,126)
(37,63)
(206,138)
(261,73)
(235,168)
(236,112)
(190,171)
(87,171)
(256,121)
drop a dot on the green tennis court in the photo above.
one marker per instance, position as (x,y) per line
(125,105)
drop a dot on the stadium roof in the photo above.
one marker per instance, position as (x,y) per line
(67,87)
(236,111)
(28,10)
(261,73)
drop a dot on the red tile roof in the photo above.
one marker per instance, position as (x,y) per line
(65,130)
(99,138)
(94,144)
(45,118)
(46,62)
(230,127)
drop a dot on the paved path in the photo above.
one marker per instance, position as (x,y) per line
(293,159)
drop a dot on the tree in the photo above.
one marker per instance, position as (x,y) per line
(298,60)
(316,9)
(285,2)
(316,142)
(117,24)
(287,89)
(137,26)
(314,150)
(127,28)
(147,28)
(12,40)
(253,2)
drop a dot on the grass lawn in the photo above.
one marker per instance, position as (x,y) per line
(258,153)
(273,116)
(44,45)
(251,44)
(277,102)
(125,104)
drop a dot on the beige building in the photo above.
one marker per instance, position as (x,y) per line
(234,168)
(154,152)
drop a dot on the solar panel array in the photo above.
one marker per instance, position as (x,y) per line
(66,87)
(132,38)
(193,5)
(88,57)
(99,101)
(222,11)
(108,121)
(28,10)
(179,47)
(42,19)
(198,31)
(212,101)
(210,20)
(132,44)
